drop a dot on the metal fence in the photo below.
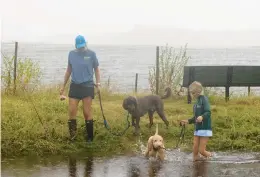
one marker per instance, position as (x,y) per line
(119,64)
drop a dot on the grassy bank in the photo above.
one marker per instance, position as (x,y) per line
(235,125)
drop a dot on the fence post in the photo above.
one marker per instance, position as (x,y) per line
(108,82)
(157,70)
(191,79)
(15,65)
(136,82)
(228,82)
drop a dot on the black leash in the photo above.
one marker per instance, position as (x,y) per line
(105,121)
(181,138)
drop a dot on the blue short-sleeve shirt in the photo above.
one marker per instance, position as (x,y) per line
(83,64)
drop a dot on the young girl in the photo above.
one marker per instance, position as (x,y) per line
(201,121)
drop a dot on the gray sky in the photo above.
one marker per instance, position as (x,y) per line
(111,21)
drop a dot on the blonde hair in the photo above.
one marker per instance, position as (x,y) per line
(196,88)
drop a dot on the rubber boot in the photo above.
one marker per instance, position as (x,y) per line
(72,124)
(89,130)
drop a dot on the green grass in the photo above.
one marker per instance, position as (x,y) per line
(235,125)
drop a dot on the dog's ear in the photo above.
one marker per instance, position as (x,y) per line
(163,144)
(132,100)
(129,101)
(125,103)
(150,143)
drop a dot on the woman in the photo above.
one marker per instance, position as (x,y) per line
(82,64)
(201,121)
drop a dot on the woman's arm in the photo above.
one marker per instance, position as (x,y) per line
(67,75)
(97,75)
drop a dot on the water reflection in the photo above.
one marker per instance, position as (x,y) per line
(72,166)
(200,169)
(134,170)
(134,167)
(141,168)
(88,166)
(154,169)
(177,165)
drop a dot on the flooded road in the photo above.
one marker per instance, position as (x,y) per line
(177,164)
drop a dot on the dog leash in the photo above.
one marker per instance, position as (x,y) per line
(105,121)
(181,138)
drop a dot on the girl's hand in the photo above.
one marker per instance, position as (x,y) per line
(199,119)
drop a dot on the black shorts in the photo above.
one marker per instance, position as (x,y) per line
(78,91)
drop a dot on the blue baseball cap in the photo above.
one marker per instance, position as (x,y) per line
(80,41)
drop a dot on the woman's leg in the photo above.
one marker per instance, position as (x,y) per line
(202,146)
(73,109)
(72,122)
(87,112)
(196,140)
(87,106)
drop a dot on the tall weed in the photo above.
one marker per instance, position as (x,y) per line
(28,74)
(171,68)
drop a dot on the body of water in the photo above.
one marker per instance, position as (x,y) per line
(121,63)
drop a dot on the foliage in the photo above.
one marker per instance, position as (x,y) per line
(28,73)
(171,65)
(235,125)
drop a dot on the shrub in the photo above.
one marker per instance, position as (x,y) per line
(28,72)
(171,66)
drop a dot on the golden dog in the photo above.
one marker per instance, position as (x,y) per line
(155,146)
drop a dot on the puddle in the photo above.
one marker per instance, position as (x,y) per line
(177,164)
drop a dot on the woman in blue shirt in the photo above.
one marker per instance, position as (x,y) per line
(82,64)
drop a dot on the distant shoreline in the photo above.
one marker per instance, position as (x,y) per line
(133,45)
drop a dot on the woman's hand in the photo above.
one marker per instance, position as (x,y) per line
(98,87)
(199,119)
(183,122)
(62,91)
(62,96)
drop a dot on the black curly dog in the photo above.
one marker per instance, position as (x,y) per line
(138,107)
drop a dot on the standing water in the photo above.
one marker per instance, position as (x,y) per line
(177,164)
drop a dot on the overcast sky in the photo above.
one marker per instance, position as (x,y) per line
(44,20)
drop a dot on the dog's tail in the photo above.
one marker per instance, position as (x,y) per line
(156,131)
(167,93)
